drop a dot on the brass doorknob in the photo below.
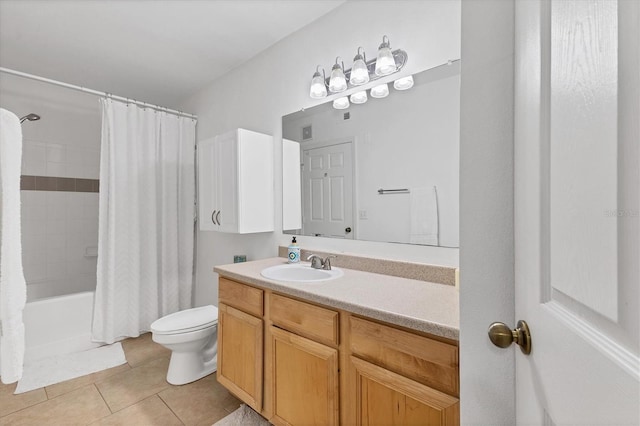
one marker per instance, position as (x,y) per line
(502,336)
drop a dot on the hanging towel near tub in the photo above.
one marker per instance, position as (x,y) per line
(424,216)
(13,290)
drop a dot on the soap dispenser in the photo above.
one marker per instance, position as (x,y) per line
(293,251)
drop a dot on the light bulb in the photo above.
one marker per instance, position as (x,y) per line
(359,97)
(404,83)
(341,103)
(317,90)
(337,82)
(385,64)
(359,70)
(380,91)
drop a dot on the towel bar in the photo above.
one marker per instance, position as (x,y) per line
(393,191)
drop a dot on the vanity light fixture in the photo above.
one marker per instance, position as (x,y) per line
(337,82)
(341,103)
(385,64)
(359,97)
(404,83)
(363,71)
(318,90)
(359,70)
(380,91)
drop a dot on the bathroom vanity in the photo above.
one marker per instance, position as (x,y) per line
(361,349)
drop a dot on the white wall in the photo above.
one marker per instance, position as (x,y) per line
(57,226)
(276,82)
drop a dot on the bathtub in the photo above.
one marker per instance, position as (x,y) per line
(58,325)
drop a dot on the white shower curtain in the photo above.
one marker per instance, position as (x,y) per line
(13,288)
(146,219)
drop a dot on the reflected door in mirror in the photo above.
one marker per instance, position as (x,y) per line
(327,177)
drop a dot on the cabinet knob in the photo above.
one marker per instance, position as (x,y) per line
(213,217)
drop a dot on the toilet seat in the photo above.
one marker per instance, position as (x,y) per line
(186,321)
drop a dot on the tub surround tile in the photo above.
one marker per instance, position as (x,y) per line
(10,403)
(65,184)
(28,183)
(419,305)
(67,386)
(143,349)
(151,411)
(202,402)
(84,185)
(397,268)
(46,183)
(128,387)
(80,407)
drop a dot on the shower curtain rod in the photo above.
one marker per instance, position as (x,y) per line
(96,92)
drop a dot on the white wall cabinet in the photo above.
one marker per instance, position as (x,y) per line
(235,183)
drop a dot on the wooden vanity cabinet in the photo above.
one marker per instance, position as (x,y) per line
(385,398)
(298,363)
(304,382)
(241,341)
(304,358)
(401,378)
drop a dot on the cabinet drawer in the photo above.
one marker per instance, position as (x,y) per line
(308,320)
(240,296)
(424,360)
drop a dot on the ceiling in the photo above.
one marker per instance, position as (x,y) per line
(153,51)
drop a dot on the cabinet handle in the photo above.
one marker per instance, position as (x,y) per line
(218,217)
(212,217)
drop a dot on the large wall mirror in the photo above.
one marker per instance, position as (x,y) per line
(386,170)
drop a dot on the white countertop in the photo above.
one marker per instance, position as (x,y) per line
(418,305)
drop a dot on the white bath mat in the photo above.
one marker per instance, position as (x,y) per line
(243,416)
(56,369)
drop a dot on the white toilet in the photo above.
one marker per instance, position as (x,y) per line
(192,336)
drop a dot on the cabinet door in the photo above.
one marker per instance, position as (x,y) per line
(305,381)
(226,181)
(240,354)
(207,202)
(386,398)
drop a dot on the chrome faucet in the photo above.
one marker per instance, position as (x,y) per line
(318,263)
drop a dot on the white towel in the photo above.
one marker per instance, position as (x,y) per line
(424,216)
(13,289)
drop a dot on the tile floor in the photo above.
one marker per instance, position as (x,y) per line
(135,393)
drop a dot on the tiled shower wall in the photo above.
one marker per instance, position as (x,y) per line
(60,168)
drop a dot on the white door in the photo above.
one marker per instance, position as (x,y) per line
(327,177)
(576,211)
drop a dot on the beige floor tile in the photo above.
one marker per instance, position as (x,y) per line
(200,403)
(73,384)
(143,349)
(128,387)
(79,407)
(151,411)
(10,403)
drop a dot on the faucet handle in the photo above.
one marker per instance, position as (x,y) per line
(316,261)
(326,264)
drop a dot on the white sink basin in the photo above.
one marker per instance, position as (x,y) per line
(301,273)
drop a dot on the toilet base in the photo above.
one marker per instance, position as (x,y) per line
(193,354)
(187,367)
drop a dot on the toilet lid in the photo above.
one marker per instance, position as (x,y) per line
(187,320)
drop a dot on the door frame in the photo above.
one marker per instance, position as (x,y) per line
(487,291)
